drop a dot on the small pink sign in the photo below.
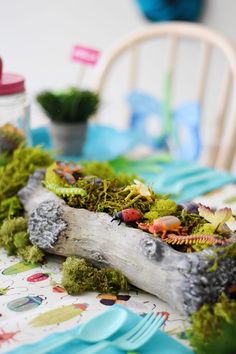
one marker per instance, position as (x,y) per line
(85,55)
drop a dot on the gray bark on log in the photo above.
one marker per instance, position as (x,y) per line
(181,279)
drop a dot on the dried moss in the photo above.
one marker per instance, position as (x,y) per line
(213,324)
(80,276)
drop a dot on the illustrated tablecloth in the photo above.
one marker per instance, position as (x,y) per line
(33,303)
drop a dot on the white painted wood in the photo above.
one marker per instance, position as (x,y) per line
(195,32)
(218,128)
(203,72)
(134,65)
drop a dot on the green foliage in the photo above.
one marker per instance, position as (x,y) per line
(15,239)
(109,195)
(10,208)
(13,234)
(205,228)
(214,324)
(161,207)
(80,276)
(70,106)
(14,176)
(31,254)
(104,170)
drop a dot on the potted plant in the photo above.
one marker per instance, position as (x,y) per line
(68,111)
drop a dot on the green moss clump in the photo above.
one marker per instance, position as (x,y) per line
(207,229)
(100,169)
(214,323)
(80,276)
(101,189)
(104,171)
(10,207)
(13,233)
(14,176)
(161,207)
(31,254)
(15,239)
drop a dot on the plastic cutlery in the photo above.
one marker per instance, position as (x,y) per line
(95,330)
(133,339)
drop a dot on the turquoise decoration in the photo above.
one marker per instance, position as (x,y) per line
(146,110)
(25,303)
(177,132)
(105,143)
(152,124)
(41,136)
(186,134)
(169,10)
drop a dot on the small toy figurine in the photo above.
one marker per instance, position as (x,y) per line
(127,215)
(67,170)
(163,224)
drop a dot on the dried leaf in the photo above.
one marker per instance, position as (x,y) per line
(142,188)
(216,218)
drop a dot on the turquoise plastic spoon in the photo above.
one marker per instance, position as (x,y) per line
(103,325)
(97,329)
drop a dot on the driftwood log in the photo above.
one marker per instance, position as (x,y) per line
(181,279)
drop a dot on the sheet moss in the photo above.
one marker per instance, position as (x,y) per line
(80,276)
(213,328)
(103,190)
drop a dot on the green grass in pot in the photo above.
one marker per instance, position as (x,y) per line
(69,106)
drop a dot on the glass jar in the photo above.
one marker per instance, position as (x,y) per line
(14,106)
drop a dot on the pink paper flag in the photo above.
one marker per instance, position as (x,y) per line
(85,55)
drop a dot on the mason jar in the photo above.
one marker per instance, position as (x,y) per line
(14,104)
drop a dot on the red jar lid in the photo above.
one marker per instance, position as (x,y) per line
(10,83)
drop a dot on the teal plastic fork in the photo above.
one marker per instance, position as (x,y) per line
(133,339)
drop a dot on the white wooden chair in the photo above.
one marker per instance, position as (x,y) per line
(219,144)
